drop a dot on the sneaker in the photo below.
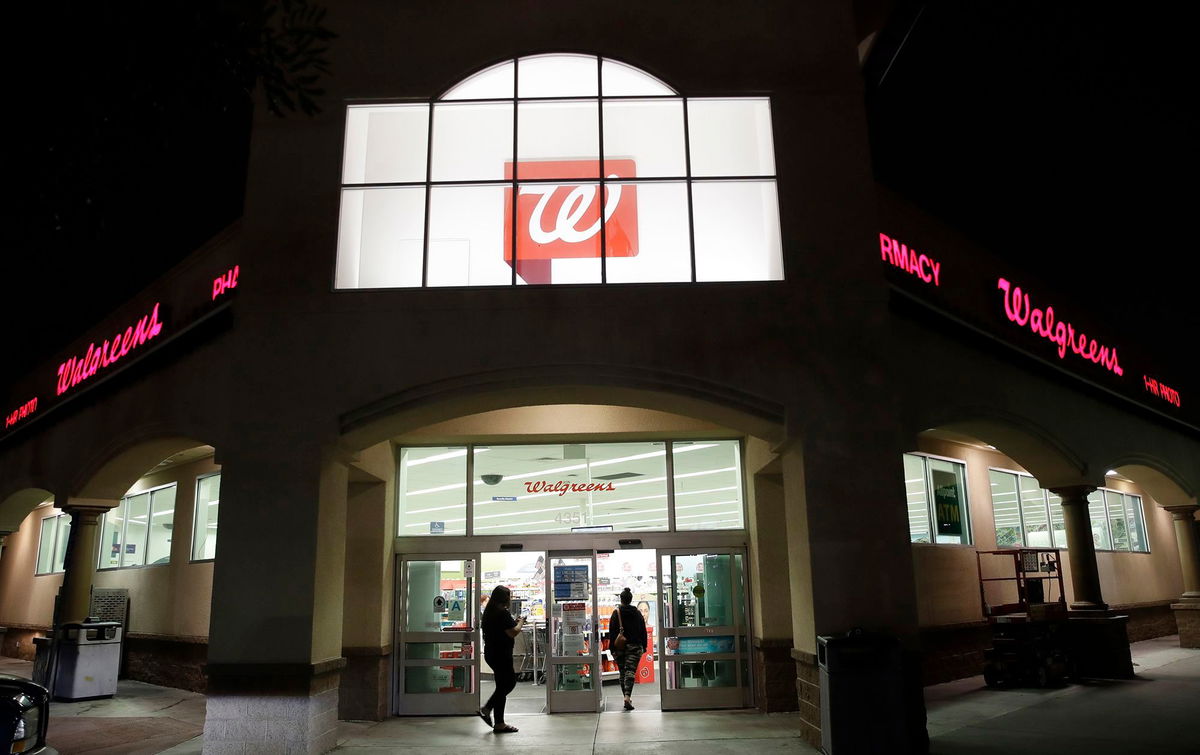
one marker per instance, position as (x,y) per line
(628,705)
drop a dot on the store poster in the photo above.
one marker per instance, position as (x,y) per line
(946,496)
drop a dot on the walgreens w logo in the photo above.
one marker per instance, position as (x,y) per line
(562,221)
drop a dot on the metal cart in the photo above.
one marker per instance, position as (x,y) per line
(1021,591)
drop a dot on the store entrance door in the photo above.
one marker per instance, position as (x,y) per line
(438,635)
(573,665)
(705,662)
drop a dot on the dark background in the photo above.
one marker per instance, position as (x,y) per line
(1059,135)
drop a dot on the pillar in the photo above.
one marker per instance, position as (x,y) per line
(3,537)
(275,632)
(1081,549)
(1098,642)
(1187,610)
(75,596)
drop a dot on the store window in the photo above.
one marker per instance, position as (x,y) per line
(1037,520)
(557,169)
(204,520)
(936,491)
(52,547)
(571,487)
(137,532)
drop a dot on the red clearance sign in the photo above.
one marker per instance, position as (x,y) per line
(563,220)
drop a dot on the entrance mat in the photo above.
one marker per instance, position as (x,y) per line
(103,735)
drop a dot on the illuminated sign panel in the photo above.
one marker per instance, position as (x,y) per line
(198,295)
(991,299)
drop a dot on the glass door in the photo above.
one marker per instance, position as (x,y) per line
(704,661)
(573,664)
(438,635)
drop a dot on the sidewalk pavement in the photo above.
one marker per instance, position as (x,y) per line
(1154,713)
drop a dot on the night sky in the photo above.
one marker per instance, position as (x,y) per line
(1056,134)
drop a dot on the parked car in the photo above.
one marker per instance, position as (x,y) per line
(24,715)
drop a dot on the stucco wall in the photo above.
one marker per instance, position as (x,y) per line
(947,575)
(167,600)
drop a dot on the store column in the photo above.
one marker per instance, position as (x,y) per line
(1099,641)
(3,538)
(275,633)
(75,599)
(1187,610)
(1081,548)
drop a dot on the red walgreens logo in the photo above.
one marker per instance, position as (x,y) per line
(562,221)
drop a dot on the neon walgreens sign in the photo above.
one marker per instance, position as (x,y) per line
(79,369)
(1019,310)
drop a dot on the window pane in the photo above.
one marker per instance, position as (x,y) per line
(491,83)
(471,142)
(433,487)
(651,243)
(918,500)
(648,132)
(162,522)
(731,137)
(737,231)
(1033,509)
(469,234)
(1057,524)
(949,501)
(45,557)
(1137,524)
(1099,520)
(622,80)
(563,136)
(708,485)
(133,545)
(60,547)
(386,143)
(557,76)
(558,233)
(556,487)
(208,504)
(1005,510)
(1117,526)
(110,536)
(381,238)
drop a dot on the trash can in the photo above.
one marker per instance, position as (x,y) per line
(862,694)
(89,658)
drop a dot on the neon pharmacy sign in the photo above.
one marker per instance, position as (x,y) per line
(1019,310)
(21,412)
(897,253)
(79,369)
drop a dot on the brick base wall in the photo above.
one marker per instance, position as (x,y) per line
(808,696)
(167,662)
(954,652)
(774,676)
(363,689)
(1149,621)
(17,642)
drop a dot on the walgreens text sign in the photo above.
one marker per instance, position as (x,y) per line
(563,220)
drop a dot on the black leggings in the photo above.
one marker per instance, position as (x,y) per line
(506,680)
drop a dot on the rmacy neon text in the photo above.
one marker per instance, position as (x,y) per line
(1017,309)
(78,369)
(921,265)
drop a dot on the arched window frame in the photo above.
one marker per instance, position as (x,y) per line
(763,178)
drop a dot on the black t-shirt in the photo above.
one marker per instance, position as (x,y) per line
(635,626)
(496,641)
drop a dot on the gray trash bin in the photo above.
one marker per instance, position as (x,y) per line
(89,657)
(862,694)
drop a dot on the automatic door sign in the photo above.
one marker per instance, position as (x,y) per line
(439,604)
(437,528)
(455,610)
